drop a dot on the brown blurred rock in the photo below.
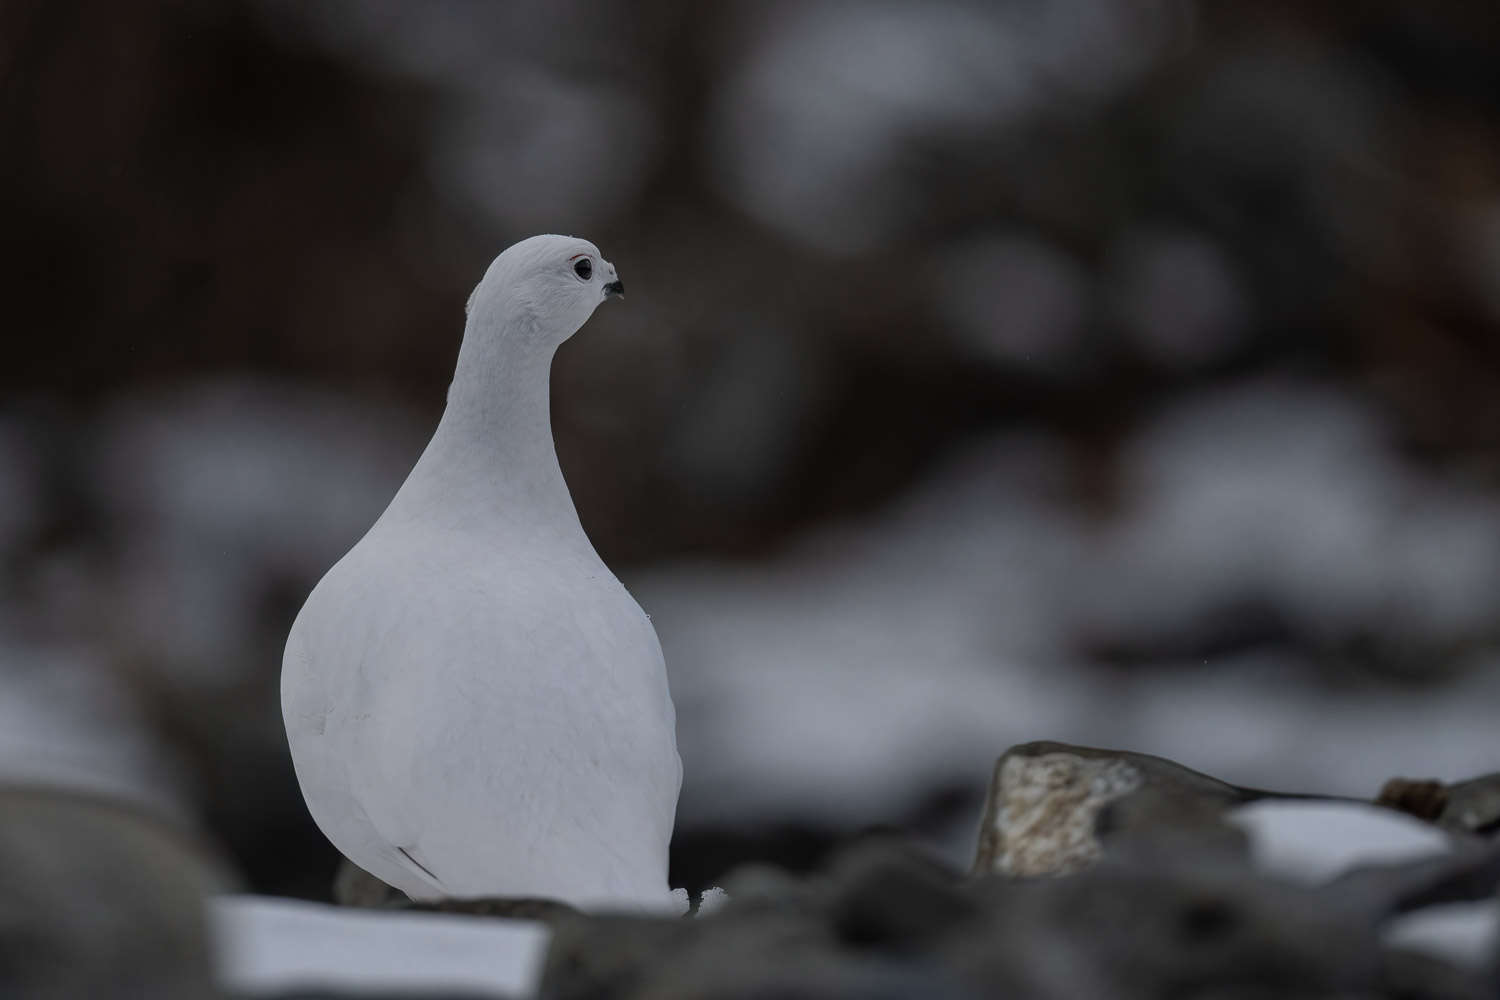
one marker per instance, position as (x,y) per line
(1422,799)
(1470,807)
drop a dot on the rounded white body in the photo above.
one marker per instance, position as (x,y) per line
(505,759)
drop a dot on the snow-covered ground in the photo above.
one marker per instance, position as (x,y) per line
(1313,842)
(267,946)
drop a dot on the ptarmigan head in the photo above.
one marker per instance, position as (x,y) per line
(550,283)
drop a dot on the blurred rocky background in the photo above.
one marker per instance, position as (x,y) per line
(1126,374)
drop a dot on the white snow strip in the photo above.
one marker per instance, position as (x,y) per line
(1312,842)
(266,945)
(1466,934)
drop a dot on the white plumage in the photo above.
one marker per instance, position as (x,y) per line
(475,705)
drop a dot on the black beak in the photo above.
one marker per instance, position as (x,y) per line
(615,289)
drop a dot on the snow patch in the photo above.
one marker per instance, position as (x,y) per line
(266,946)
(1312,842)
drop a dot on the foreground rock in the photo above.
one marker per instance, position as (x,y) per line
(99,899)
(888,922)
(1099,875)
(1103,875)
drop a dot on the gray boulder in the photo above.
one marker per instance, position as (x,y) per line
(99,900)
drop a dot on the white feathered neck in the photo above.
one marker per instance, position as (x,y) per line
(493,454)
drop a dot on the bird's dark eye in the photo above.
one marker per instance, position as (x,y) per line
(584,268)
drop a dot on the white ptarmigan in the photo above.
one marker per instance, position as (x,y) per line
(475,705)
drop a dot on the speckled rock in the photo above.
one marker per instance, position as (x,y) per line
(1043,810)
(1051,806)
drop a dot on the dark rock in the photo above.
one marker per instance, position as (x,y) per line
(1115,932)
(353,886)
(343,994)
(358,888)
(888,896)
(382,994)
(1472,873)
(1152,896)
(99,900)
(856,931)
(550,911)
(1409,976)
(885,921)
